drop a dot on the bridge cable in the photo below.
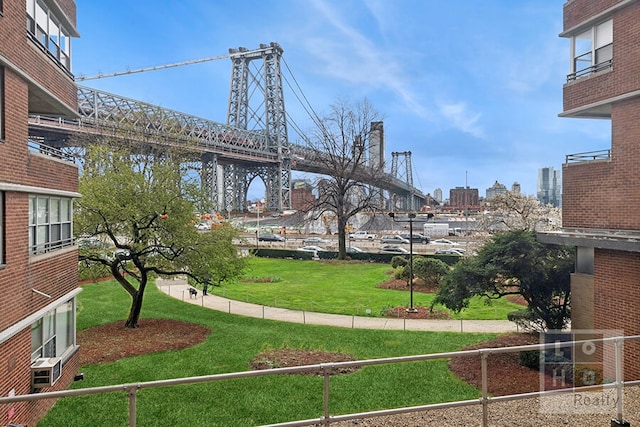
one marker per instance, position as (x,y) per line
(313,115)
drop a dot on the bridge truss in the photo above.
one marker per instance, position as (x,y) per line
(252,144)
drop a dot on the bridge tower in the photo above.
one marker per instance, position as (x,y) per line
(256,103)
(407,202)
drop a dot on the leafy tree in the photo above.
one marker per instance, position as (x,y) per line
(142,204)
(341,147)
(515,263)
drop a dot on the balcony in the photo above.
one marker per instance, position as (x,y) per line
(46,150)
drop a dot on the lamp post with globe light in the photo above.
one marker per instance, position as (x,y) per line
(411,216)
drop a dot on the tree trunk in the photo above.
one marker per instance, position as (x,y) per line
(342,247)
(136,307)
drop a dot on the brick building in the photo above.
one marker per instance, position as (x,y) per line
(464,198)
(601,190)
(302,197)
(38,260)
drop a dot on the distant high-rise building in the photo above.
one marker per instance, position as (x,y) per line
(549,187)
(437,194)
(494,190)
(515,188)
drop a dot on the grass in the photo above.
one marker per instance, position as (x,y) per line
(338,287)
(233,342)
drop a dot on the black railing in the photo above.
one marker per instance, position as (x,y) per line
(590,70)
(589,156)
(49,151)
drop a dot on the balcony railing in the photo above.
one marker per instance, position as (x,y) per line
(616,383)
(590,70)
(49,151)
(588,156)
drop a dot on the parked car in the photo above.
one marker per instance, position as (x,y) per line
(314,249)
(417,238)
(449,252)
(393,238)
(442,242)
(317,240)
(203,226)
(389,249)
(270,237)
(354,250)
(90,243)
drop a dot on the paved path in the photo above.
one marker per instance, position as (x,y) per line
(178,288)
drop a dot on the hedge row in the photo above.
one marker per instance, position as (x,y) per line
(360,256)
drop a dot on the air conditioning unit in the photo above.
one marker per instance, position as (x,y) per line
(45,372)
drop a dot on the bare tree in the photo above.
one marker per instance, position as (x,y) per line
(341,146)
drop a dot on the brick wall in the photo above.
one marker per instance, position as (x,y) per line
(577,11)
(47,172)
(582,296)
(14,150)
(68,8)
(616,300)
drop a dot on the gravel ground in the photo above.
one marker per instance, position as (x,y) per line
(522,413)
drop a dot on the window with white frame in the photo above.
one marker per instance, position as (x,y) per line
(592,50)
(54,333)
(50,223)
(49,32)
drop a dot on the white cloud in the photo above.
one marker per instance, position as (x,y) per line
(356,59)
(463,119)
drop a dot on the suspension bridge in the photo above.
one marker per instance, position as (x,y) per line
(254,142)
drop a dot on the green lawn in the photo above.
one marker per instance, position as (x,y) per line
(233,342)
(338,287)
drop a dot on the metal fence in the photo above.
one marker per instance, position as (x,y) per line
(588,156)
(327,418)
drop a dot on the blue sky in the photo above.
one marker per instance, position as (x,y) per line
(471,87)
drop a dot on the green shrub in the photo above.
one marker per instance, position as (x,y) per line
(399,261)
(530,359)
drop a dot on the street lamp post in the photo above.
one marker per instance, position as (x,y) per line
(411,216)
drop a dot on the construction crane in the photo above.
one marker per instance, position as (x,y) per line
(233,53)
(82,78)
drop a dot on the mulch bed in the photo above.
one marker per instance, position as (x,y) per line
(112,341)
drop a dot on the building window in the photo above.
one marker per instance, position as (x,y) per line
(54,333)
(50,223)
(43,25)
(592,50)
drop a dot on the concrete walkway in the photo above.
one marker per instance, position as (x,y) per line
(178,288)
